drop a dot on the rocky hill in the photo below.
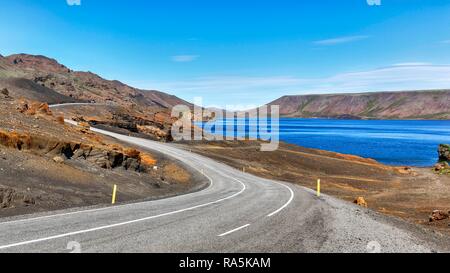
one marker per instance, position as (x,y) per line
(115,104)
(433,104)
(46,164)
(75,85)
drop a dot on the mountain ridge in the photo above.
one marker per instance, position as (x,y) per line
(421,104)
(80,85)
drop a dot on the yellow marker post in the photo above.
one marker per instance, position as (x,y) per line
(114,195)
(318,187)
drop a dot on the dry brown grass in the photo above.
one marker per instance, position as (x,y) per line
(39,108)
(84,125)
(60,120)
(176,173)
(15,140)
(133,153)
(147,160)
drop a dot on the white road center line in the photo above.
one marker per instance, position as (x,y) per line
(234,230)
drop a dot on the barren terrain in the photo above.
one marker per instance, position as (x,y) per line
(47,165)
(411,194)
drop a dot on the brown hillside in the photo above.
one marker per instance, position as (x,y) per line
(382,105)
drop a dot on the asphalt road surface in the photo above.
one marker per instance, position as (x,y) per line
(238,212)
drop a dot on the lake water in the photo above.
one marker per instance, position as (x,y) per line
(410,143)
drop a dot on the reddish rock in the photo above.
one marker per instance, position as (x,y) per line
(439,215)
(360,201)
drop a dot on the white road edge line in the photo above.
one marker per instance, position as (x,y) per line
(96,210)
(244,187)
(100,209)
(234,230)
(121,224)
(118,136)
(285,205)
(146,218)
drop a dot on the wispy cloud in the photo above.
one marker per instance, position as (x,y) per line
(231,83)
(445,42)
(341,40)
(184,58)
(408,76)
(247,90)
(412,64)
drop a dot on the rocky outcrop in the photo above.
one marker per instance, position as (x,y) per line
(129,159)
(5,92)
(444,153)
(439,215)
(443,167)
(156,128)
(33,108)
(360,201)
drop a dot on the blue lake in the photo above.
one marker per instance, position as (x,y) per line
(393,142)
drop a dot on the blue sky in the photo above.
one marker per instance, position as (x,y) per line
(240,53)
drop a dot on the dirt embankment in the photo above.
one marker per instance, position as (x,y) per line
(411,194)
(48,165)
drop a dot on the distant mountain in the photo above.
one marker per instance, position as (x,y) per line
(17,71)
(433,104)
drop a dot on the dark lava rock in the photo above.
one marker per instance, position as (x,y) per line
(444,153)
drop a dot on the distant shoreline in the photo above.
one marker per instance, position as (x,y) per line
(411,143)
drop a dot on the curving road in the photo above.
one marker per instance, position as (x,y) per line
(238,212)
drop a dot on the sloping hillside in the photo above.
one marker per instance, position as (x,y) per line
(42,79)
(383,105)
(24,88)
(81,86)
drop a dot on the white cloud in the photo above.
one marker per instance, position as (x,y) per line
(184,58)
(74,2)
(412,76)
(446,42)
(244,90)
(341,40)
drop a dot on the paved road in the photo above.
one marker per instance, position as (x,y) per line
(238,212)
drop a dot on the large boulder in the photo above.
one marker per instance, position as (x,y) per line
(444,153)
(439,215)
(58,159)
(5,93)
(360,201)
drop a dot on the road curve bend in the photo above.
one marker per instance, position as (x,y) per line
(238,212)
